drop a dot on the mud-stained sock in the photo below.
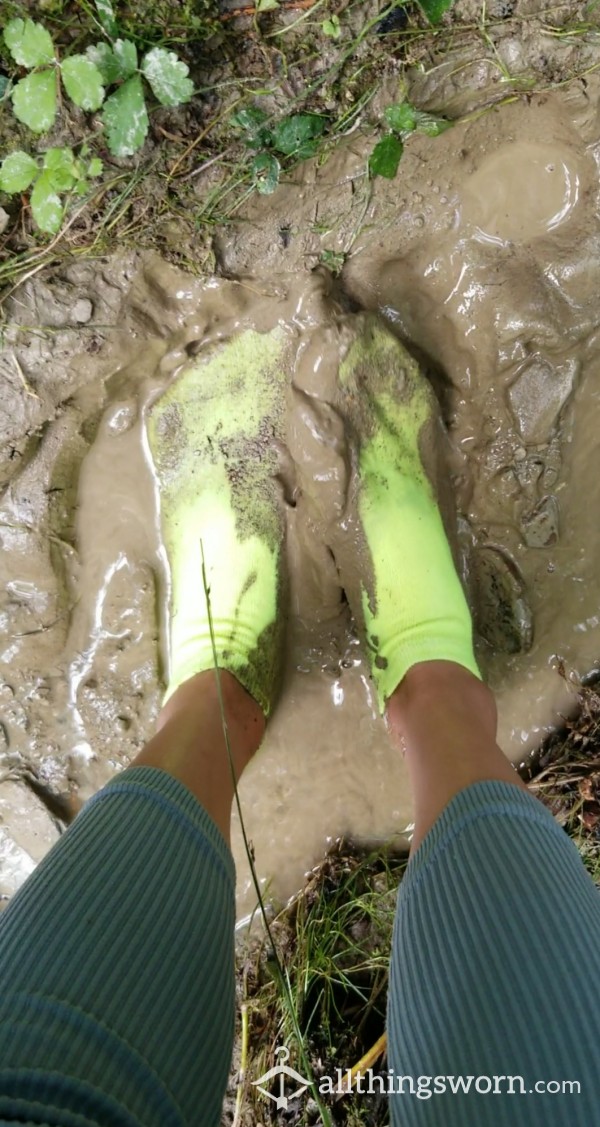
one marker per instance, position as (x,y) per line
(213,437)
(407,597)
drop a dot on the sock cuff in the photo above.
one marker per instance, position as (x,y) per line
(412,651)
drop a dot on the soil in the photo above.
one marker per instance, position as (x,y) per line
(483,256)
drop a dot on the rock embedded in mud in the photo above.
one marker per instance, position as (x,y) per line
(503,616)
(82,311)
(540,526)
(538,396)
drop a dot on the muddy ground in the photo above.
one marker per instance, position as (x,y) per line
(483,255)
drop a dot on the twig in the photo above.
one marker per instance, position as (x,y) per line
(26,386)
(252,10)
(203,167)
(365,1062)
(175,137)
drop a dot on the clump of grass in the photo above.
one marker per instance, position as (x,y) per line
(333,942)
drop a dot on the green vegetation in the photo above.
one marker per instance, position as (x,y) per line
(34,98)
(87,77)
(402,119)
(177,159)
(90,68)
(296,137)
(55,174)
(327,954)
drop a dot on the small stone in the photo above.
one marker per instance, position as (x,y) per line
(4,217)
(540,526)
(538,396)
(82,311)
(122,419)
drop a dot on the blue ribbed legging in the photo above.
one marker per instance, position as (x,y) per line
(117,984)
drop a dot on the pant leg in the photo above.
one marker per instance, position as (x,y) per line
(496,968)
(117,967)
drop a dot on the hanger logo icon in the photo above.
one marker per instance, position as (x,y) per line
(282,1070)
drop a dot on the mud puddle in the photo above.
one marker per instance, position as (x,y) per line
(484,256)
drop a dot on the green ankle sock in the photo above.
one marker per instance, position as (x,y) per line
(407,597)
(212,437)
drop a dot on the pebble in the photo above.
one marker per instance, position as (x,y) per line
(82,311)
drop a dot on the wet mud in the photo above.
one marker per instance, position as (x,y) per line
(484,258)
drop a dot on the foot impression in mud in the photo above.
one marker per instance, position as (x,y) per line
(496,290)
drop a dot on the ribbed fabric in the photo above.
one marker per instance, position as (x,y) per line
(116,967)
(496,967)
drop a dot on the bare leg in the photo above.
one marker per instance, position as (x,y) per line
(444,719)
(190,745)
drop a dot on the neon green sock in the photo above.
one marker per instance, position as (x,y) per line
(212,437)
(407,598)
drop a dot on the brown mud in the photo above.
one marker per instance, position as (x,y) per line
(484,256)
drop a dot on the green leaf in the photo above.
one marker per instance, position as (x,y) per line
(298,135)
(332,27)
(114,63)
(29,43)
(434,9)
(127,57)
(106,16)
(266,5)
(126,118)
(385,158)
(432,126)
(60,166)
(402,118)
(34,100)
(249,118)
(333,260)
(95,167)
(167,76)
(45,204)
(104,58)
(17,172)
(265,170)
(83,82)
